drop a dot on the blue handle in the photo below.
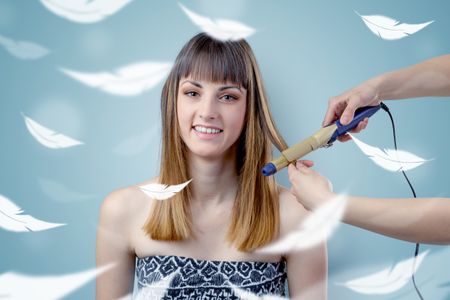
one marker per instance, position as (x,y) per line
(360,114)
(269,169)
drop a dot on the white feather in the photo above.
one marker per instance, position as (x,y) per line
(84,11)
(390,159)
(48,137)
(157,289)
(12,220)
(246,295)
(316,228)
(162,191)
(126,81)
(23,49)
(390,29)
(387,280)
(221,29)
(21,286)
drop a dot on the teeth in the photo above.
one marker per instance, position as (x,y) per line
(206,130)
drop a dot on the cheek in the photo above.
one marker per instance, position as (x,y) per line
(237,118)
(182,121)
(241,114)
(182,114)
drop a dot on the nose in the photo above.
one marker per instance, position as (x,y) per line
(208,108)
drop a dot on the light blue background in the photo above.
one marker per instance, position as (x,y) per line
(308,51)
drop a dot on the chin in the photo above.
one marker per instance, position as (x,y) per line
(207,154)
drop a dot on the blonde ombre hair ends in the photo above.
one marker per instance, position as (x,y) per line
(255,216)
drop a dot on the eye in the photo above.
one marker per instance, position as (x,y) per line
(229,98)
(191,94)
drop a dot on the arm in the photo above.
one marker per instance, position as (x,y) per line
(306,269)
(422,220)
(428,78)
(113,247)
(419,220)
(307,273)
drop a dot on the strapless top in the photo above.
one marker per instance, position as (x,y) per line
(192,278)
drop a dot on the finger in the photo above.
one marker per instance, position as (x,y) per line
(366,122)
(349,112)
(331,111)
(365,125)
(358,128)
(344,138)
(361,125)
(293,173)
(302,168)
(292,169)
(293,166)
(308,163)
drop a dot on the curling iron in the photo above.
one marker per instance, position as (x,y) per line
(322,138)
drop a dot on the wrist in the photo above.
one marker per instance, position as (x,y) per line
(325,197)
(387,86)
(379,86)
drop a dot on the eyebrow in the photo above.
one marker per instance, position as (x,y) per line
(197,84)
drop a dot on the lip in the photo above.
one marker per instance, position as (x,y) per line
(207,126)
(206,136)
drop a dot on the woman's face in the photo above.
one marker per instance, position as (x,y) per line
(210,115)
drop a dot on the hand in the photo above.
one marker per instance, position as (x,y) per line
(309,187)
(344,106)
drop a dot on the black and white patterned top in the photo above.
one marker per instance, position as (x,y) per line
(207,279)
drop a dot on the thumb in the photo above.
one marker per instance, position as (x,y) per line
(349,112)
(292,172)
(302,167)
(292,167)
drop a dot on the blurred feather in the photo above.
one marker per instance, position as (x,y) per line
(127,81)
(246,295)
(316,228)
(221,29)
(162,191)
(23,49)
(390,29)
(48,137)
(12,220)
(20,286)
(388,280)
(84,11)
(155,290)
(61,193)
(137,143)
(390,159)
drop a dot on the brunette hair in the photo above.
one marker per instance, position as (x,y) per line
(255,216)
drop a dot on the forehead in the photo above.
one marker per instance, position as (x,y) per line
(220,65)
(204,83)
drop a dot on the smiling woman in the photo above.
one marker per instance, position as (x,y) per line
(217,130)
(210,112)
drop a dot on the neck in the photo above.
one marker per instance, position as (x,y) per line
(215,180)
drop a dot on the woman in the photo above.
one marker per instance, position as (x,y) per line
(217,130)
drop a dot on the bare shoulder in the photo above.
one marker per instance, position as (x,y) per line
(289,205)
(291,211)
(122,204)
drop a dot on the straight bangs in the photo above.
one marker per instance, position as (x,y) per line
(209,60)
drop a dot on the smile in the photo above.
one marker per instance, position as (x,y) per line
(207,130)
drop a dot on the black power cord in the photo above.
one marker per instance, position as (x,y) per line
(416,252)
